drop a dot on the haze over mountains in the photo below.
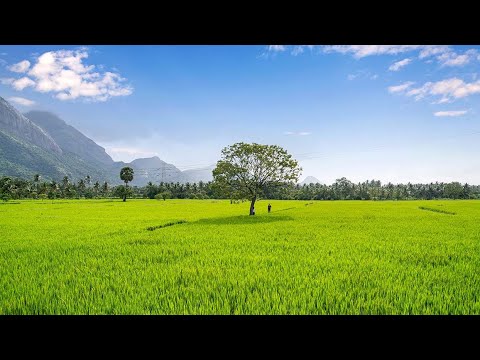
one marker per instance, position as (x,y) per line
(40,142)
(310,180)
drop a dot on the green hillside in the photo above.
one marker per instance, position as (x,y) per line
(21,159)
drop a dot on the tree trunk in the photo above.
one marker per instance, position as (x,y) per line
(252,205)
(125,193)
(124,197)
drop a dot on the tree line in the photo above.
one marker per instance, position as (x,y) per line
(244,172)
(342,189)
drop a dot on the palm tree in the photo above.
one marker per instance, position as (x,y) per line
(36,179)
(126,174)
(81,187)
(53,189)
(65,181)
(96,187)
(105,188)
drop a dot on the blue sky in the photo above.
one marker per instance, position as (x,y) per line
(393,113)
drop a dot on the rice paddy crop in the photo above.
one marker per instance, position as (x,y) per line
(209,257)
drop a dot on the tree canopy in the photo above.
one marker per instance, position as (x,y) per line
(247,170)
(126,174)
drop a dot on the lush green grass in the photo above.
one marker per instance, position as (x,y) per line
(97,257)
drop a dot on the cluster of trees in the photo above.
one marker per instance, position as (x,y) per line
(16,188)
(342,189)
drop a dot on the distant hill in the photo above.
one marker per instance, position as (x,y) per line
(40,142)
(155,170)
(310,180)
(202,174)
(68,138)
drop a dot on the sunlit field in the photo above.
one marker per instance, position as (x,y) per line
(210,257)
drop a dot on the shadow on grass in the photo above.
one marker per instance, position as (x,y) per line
(437,210)
(290,208)
(171,223)
(244,220)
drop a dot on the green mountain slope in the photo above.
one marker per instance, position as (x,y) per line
(21,159)
(68,138)
(40,142)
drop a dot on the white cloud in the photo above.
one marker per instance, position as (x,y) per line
(22,83)
(444,54)
(400,88)
(300,133)
(21,101)
(430,50)
(297,50)
(451,113)
(399,64)
(7,81)
(294,49)
(362,74)
(65,74)
(441,101)
(449,90)
(20,67)
(360,51)
(419,93)
(276,48)
(453,59)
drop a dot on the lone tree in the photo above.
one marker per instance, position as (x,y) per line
(246,170)
(126,174)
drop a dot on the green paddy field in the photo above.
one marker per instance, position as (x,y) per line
(210,257)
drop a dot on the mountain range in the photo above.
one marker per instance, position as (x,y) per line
(39,142)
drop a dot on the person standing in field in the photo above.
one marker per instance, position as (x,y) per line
(269,207)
